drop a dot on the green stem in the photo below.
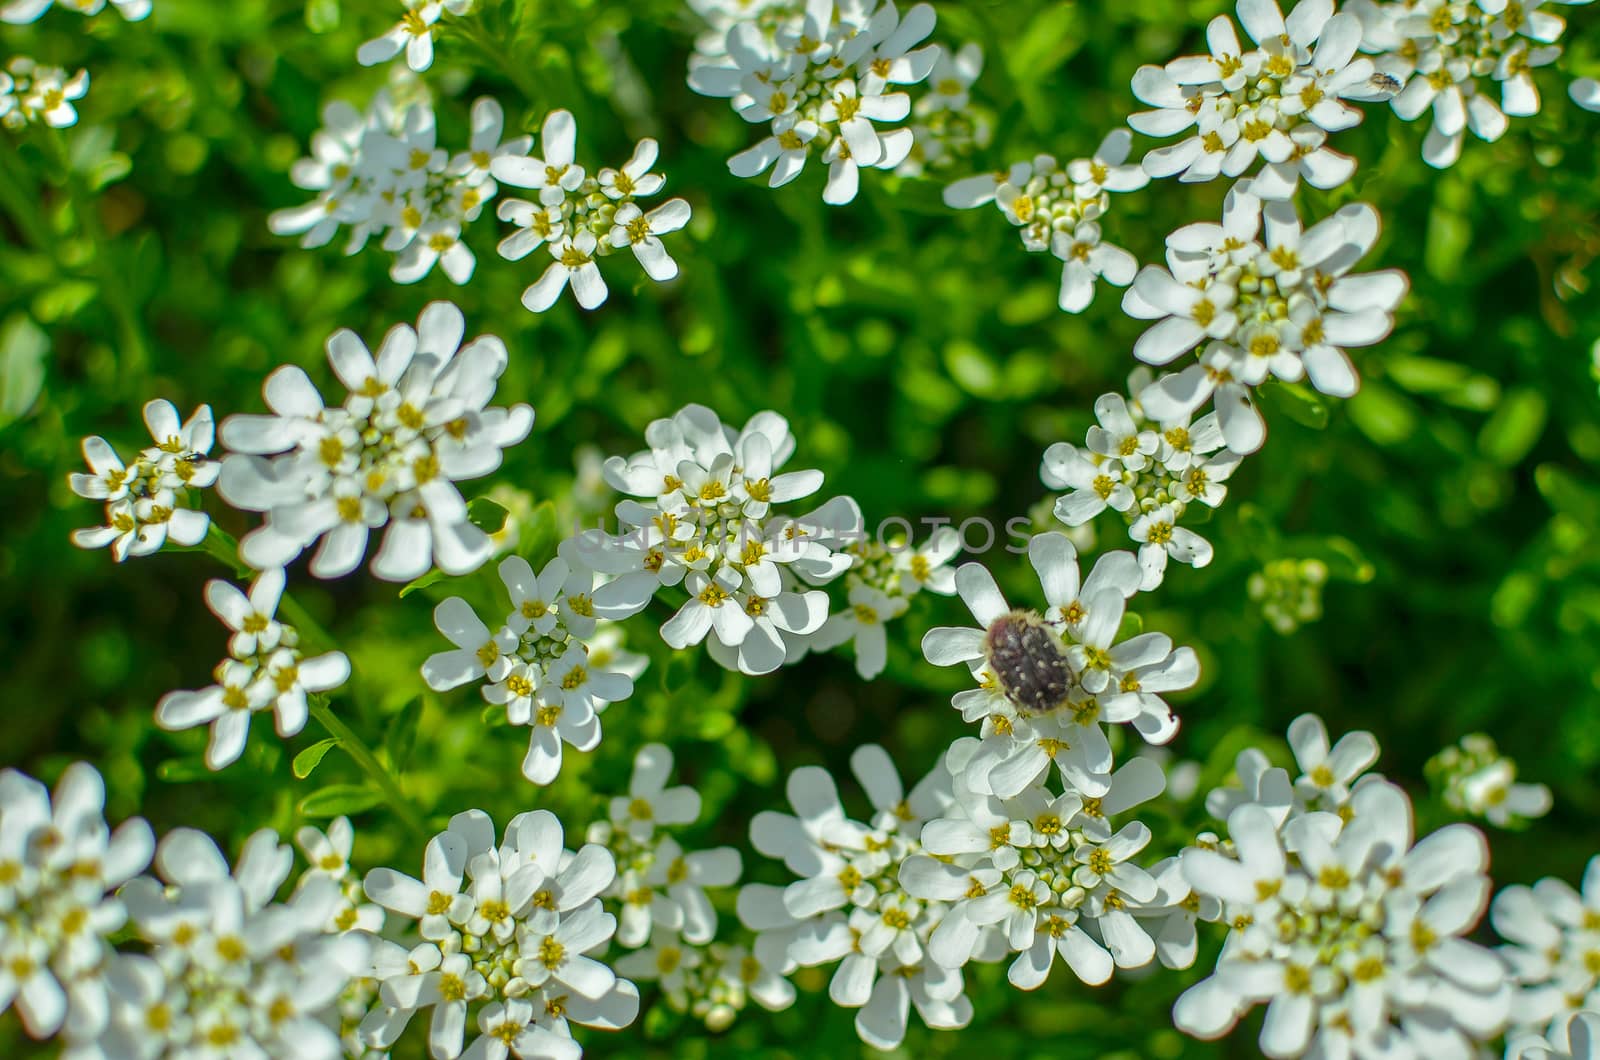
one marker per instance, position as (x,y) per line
(478,36)
(221,545)
(357,749)
(23,206)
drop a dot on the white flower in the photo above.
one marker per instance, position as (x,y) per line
(515,945)
(383,175)
(548,664)
(1326,775)
(37,94)
(704,519)
(1585,92)
(1356,945)
(60,870)
(1477,780)
(579,218)
(1577,1039)
(848,890)
(1058,210)
(1276,102)
(818,76)
(265,671)
(415,422)
(226,963)
(328,857)
(142,510)
(1449,56)
(22,11)
(412,35)
(1550,932)
(862,624)
(1267,299)
(1048,680)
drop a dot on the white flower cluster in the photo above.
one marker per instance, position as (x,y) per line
(1147,470)
(848,903)
(818,74)
(1451,55)
(552,665)
(1552,934)
(1274,103)
(1058,211)
(1289,592)
(502,934)
(412,35)
(1260,297)
(1042,874)
(383,175)
(879,587)
(663,910)
(416,420)
(142,502)
(33,94)
(1351,934)
(265,670)
(579,217)
(18,12)
(60,868)
(946,125)
(703,519)
(1049,681)
(1577,1039)
(1474,778)
(327,855)
(228,972)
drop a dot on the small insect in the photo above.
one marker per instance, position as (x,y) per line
(1029,661)
(1383,84)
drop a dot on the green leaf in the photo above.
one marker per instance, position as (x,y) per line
(336,800)
(433,577)
(537,539)
(1511,433)
(401,736)
(308,760)
(1296,401)
(1382,414)
(183,770)
(1449,381)
(23,346)
(1568,495)
(486,515)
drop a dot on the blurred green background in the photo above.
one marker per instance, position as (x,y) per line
(919,355)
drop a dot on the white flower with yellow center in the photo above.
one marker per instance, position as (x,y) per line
(18,12)
(415,422)
(413,34)
(514,946)
(60,870)
(1355,944)
(580,218)
(142,510)
(41,95)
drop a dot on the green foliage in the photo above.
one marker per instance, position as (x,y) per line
(921,359)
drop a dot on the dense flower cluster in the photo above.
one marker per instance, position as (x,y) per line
(819,76)
(578,217)
(34,94)
(848,904)
(60,870)
(499,937)
(552,664)
(879,586)
(1058,210)
(1454,58)
(1289,592)
(702,518)
(265,670)
(663,911)
(1349,932)
(1552,934)
(947,124)
(1049,680)
(143,508)
(1274,103)
(382,175)
(416,421)
(1260,297)
(1148,471)
(1473,778)
(228,970)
